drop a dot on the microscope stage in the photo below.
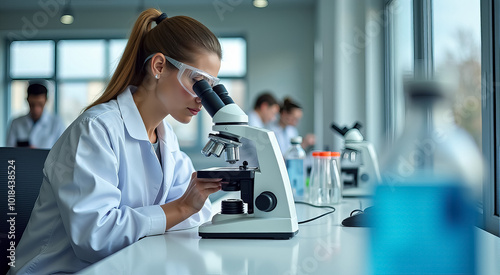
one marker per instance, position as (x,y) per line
(227,173)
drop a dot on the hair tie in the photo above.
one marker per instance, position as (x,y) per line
(160,18)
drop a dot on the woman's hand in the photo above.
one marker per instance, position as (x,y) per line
(198,190)
(191,201)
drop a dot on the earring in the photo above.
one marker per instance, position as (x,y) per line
(157,76)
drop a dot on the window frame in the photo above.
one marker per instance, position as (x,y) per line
(390,97)
(490,74)
(54,78)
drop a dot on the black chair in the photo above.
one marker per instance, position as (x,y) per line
(24,166)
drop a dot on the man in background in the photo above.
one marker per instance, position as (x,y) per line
(39,128)
(265,110)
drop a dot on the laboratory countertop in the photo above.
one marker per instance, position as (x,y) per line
(322,246)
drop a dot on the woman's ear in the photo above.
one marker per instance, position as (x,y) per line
(157,64)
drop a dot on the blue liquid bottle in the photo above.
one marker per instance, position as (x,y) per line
(294,158)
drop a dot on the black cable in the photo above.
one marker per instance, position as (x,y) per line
(317,206)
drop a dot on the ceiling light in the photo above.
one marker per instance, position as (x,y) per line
(67,16)
(67,19)
(260,3)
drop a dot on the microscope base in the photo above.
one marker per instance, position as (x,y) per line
(226,227)
(249,235)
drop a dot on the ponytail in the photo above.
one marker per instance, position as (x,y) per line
(176,37)
(289,105)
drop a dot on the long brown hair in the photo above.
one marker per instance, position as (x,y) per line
(177,37)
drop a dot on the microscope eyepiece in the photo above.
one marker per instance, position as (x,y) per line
(221,91)
(209,99)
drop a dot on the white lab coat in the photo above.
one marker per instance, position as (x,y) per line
(42,134)
(255,120)
(102,190)
(283,135)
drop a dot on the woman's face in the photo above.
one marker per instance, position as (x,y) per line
(291,118)
(181,105)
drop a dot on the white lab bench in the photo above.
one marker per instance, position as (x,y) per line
(322,246)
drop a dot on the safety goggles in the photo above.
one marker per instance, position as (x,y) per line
(188,75)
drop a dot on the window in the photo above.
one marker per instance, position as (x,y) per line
(452,43)
(400,57)
(234,63)
(457,58)
(81,75)
(78,77)
(40,53)
(76,72)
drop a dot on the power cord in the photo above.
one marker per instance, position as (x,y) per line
(317,206)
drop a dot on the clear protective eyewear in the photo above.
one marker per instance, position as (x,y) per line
(188,75)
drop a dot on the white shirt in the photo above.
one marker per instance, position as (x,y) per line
(283,135)
(255,120)
(102,190)
(42,134)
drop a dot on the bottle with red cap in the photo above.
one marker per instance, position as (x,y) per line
(335,195)
(336,158)
(313,188)
(324,187)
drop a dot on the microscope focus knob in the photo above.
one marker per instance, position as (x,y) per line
(266,201)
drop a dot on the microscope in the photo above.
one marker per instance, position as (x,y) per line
(265,190)
(358,162)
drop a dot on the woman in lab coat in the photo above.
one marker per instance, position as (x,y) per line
(285,128)
(116,174)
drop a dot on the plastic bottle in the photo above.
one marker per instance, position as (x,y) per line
(294,158)
(313,188)
(335,195)
(428,177)
(325,179)
(336,157)
(324,186)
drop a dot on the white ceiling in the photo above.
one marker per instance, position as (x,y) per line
(19,5)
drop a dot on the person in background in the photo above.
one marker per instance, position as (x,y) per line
(39,128)
(117,173)
(285,127)
(265,109)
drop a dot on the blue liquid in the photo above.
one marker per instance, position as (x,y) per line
(295,168)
